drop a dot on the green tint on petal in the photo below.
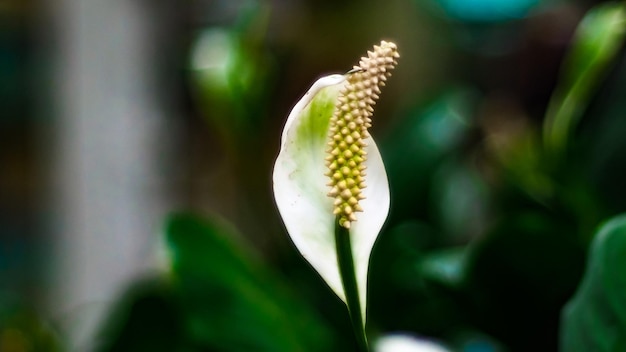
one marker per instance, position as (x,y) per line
(300,189)
(299,181)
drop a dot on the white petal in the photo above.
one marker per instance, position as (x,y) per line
(405,343)
(375,206)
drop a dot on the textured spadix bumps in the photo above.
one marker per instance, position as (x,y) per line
(348,130)
(331,119)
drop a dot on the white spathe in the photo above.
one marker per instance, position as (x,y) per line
(300,189)
(406,343)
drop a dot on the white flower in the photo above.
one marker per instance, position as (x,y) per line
(406,343)
(329,169)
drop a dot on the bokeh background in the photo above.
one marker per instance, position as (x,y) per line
(116,114)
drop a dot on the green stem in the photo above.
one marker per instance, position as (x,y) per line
(348,279)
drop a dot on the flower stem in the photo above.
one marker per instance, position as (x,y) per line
(348,279)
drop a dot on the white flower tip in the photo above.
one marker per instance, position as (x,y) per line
(406,343)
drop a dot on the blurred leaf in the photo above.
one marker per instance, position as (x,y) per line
(231,74)
(600,146)
(147,318)
(596,42)
(230,300)
(595,318)
(225,81)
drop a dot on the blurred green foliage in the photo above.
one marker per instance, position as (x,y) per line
(218,299)
(229,70)
(598,39)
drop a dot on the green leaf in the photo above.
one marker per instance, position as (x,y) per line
(596,43)
(231,301)
(595,318)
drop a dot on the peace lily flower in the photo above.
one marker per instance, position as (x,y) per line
(329,177)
